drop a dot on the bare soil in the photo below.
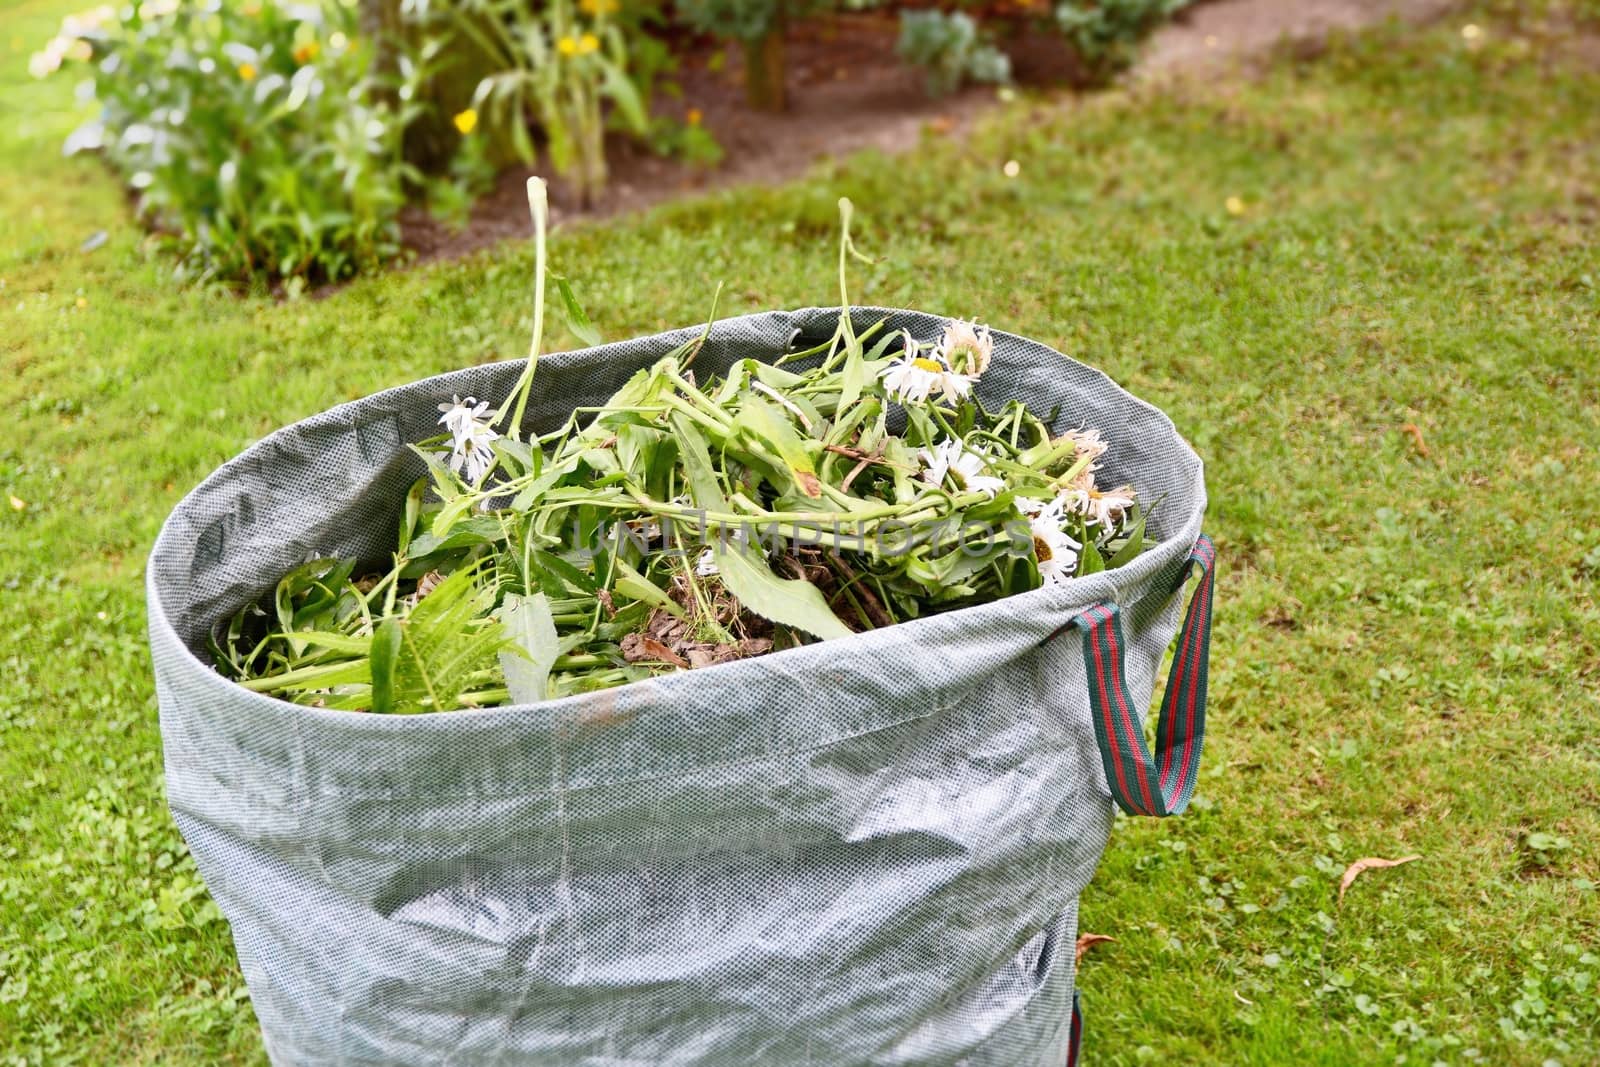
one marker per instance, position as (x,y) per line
(849,92)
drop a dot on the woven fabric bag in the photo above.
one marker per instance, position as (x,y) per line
(864,851)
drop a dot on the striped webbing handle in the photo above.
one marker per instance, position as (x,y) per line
(1075,1032)
(1141,783)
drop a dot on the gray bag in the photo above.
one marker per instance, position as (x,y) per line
(864,851)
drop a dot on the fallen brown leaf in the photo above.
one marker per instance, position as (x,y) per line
(1367,863)
(1089,941)
(1416,438)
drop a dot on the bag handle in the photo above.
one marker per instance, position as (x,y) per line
(1141,783)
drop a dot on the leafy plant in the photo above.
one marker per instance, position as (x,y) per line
(758,25)
(254,133)
(951,49)
(560,65)
(1106,33)
(689,140)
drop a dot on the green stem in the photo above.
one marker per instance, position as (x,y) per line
(291,679)
(539,207)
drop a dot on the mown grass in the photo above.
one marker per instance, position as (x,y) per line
(1389,360)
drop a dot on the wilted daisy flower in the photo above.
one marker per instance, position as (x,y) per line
(1089,443)
(950,459)
(1034,508)
(472,438)
(916,377)
(458,412)
(474,453)
(966,348)
(1108,508)
(706,565)
(955,386)
(913,376)
(1056,552)
(1097,508)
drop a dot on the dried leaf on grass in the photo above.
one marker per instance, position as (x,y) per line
(1089,941)
(1367,863)
(1414,431)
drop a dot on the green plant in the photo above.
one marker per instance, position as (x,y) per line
(1106,33)
(558,64)
(471,172)
(758,25)
(252,133)
(688,140)
(951,49)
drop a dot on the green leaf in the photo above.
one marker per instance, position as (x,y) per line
(385,652)
(534,646)
(1134,545)
(762,421)
(577,321)
(1090,561)
(704,487)
(445,640)
(449,515)
(630,583)
(791,601)
(413,511)
(621,89)
(553,564)
(336,642)
(855,377)
(478,530)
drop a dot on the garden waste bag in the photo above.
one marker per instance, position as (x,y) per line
(863,851)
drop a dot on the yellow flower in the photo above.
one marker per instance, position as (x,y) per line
(567,46)
(306,52)
(588,43)
(693,117)
(1234,205)
(599,8)
(17,503)
(466,121)
(247,71)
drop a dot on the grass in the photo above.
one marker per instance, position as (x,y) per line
(1389,360)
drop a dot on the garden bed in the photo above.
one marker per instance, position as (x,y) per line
(849,92)
(853,94)
(289,146)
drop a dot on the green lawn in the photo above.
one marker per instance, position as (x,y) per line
(1407,651)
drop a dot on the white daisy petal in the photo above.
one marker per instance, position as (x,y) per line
(1056,553)
(951,460)
(472,438)
(913,377)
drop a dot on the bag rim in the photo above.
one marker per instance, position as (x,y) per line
(1040,612)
